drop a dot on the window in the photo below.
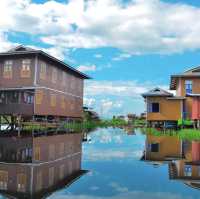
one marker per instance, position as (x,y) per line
(51,152)
(7,72)
(64,78)
(188,170)
(21,182)
(25,70)
(54,75)
(39,181)
(63,102)
(155,147)
(198,170)
(43,70)
(51,176)
(15,97)
(72,84)
(188,86)
(61,171)
(61,149)
(53,100)
(3,180)
(2,97)
(28,98)
(153,107)
(72,104)
(39,97)
(37,153)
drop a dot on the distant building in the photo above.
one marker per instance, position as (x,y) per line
(89,114)
(34,84)
(143,116)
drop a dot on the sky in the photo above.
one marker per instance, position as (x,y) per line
(126,46)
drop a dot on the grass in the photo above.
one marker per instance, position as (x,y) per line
(183,134)
(77,126)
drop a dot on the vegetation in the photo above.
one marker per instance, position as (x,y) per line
(183,134)
(139,122)
(74,126)
(185,123)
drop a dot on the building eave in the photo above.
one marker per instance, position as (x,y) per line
(42,53)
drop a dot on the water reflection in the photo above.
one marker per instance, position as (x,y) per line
(121,166)
(31,167)
(182,157)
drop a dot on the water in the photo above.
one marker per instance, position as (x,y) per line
(116,171)
(129,164)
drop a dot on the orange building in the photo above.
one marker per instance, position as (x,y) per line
(163,106)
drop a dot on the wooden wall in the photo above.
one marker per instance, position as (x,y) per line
(170,110)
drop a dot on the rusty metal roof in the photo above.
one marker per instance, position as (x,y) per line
(157,92)
(23,50)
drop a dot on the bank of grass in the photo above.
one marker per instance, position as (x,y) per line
(183,134)
(75,126)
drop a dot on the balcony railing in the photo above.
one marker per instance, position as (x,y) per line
(16,108)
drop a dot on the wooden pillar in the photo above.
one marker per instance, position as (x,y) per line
(19,125)
(12,122)
(198,124)
(0,122)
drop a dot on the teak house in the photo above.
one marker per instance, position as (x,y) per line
(34,84)
(163,107)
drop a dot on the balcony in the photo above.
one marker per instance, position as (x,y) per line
(16,108)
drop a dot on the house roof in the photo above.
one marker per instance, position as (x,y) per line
(157,92)
(23,50)
(193,72)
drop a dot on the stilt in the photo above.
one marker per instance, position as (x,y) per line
(198,124)
(19,125)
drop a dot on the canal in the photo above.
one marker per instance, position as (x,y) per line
(129,164)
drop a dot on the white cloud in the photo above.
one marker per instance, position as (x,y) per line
(85,68)
(118,188)
(123,194)
(5,44)
(121,57)
(89,101)
(98,56)
(118,88)
(109,155)
(137,27)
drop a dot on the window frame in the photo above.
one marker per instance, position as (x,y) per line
(25,68)
(54,75)
(8,69)
(43,70)
(188,86)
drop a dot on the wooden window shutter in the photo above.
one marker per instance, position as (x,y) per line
(39,97)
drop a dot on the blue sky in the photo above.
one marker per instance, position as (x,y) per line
(127,47)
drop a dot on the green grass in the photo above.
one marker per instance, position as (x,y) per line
(79,126)
(183,134)
(139,122)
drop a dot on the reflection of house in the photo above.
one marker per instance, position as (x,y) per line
(35,165)
(34,83)
(163,106)
(188,169)
(162,148)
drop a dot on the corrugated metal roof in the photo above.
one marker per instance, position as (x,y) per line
(23,50)
(156,92)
